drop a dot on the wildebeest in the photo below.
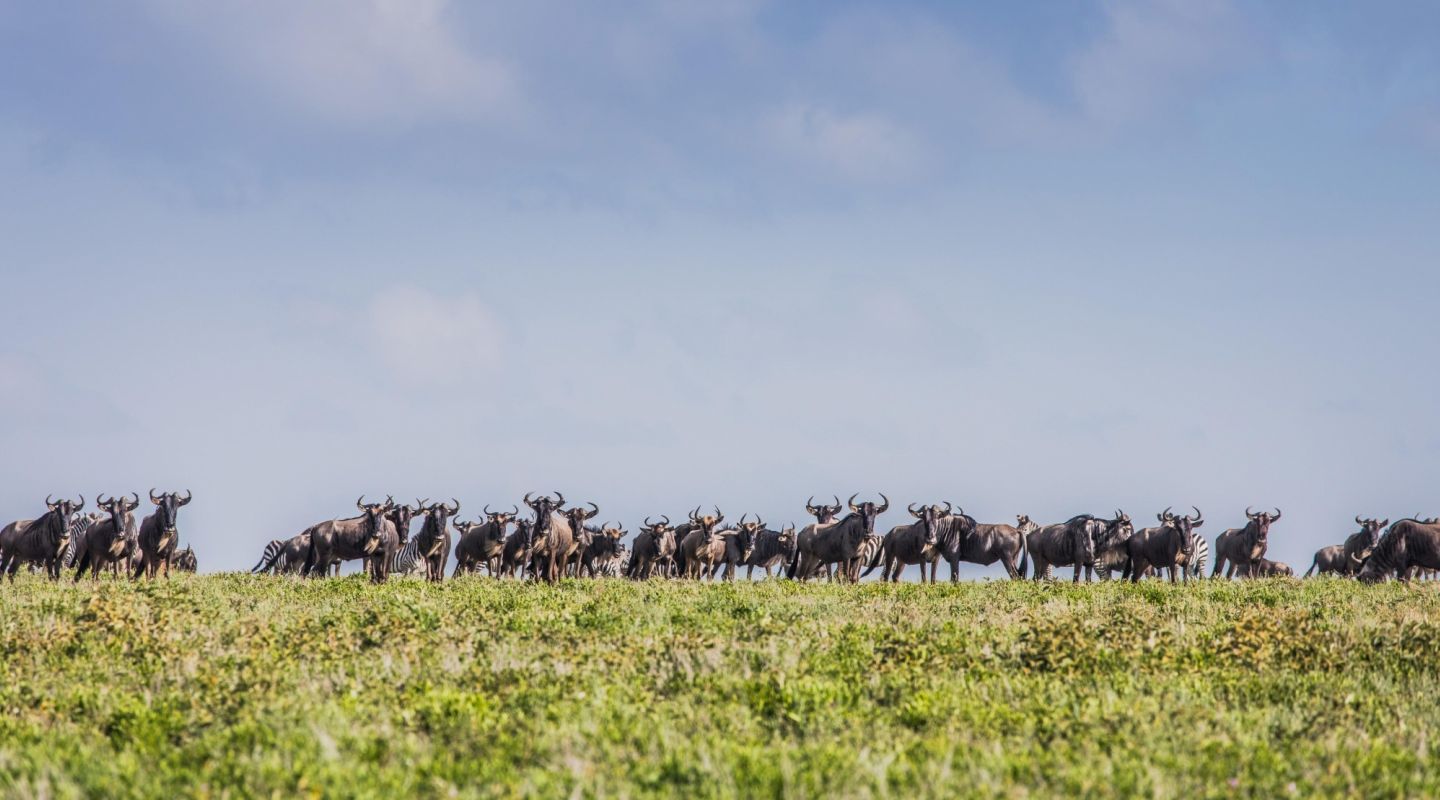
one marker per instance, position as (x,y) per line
(1239,547)
(285,557)
(582,536)
(551,539)
(1170,547)
(1066,543)
(349,539)
(1408,545)
(603,546)
(1265,568)
(911,543)
(105,542)
(159,537)
(515,556)
(964,539)
(772,549)
(654,546)
(1347,558)
(432,543)
(837,542)
(483,542)
(42,541)
(185,560)
(740,547)
(394,536)
(702,547)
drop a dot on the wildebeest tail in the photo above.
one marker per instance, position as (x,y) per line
(1024,566)
(794,563)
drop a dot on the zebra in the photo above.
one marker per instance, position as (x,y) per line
(273,559)
(79,524)
(409,561)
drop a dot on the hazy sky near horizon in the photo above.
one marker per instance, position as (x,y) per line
(1039,258)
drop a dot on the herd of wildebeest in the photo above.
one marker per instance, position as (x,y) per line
(557,540)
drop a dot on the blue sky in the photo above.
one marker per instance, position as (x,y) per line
(1038,258)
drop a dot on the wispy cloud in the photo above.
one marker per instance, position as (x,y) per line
(865,145)
(425,336)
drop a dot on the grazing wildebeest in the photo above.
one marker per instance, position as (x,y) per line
(603,546)
(483,542)
(654,547)
(582,535)
(349,539)
(1066,543)
(837,542)
(42,541)
(105,542)
(701,547)
(159,537)
(963,539)
(1170,547)
(185,560)
(772,549)
(1346,559)
(432,543)
(1239,547)
(551,538)
(1408,545)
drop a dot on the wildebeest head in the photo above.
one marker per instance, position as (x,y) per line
(656,529)
(167,508)
(499,519)
(374,515)
(526,530)
(1371,528)
(787,535)
(607,542)
(747,533)
(578,516)
(1184,525)
(543,507)
(1260,524)
(1117,530)
(401,515)
(824,514)
(437,514)
(707,522)
(868,511)
(927,515)
(64,509)
(117,508)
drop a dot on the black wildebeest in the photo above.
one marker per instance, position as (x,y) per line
(351,538)
(1066,543)
(772,549)
(654,547)
(159,537)
(838,542)
(1347,558)
(964,539)
(1408,545)
(483,542)
(105,542)
(1239,547)
(551,538)
(1170,546)
(432,543)
(40,541)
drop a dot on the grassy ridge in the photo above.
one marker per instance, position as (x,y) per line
(258,686)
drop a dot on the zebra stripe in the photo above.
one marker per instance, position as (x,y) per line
(1196,567)
(408,561)
(273,560)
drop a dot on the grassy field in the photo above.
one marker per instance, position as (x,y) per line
(240,686)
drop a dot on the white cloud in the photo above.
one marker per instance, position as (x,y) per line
(862,146)
(426,336)
(370,61)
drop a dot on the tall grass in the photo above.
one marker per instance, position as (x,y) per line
(241,686)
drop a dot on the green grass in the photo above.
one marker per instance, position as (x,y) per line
(240,686)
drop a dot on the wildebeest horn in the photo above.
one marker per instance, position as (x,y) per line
(1248,513)
(189,495)
(1165,516)
(695,515)
(100,499)
(48,502)
(152,496)
(810,504)
(743,516)
(1277,514)
(1358,521)
(594,510)
(851,501)
(486,510)
(911,509)
(559,499)
(456,509)
(526,501)
(837,502)
(949,509)
(1199,518)
(665,518)
(514,510)
(759,523)
(360,503)
(136,502)
(81,504)
(420,504)
(886,507)
(648,523)
(1384,522)
(719,515)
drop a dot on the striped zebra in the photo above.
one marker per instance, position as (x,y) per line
(409,562)
(1197,565)
(272,560)
(79,524)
